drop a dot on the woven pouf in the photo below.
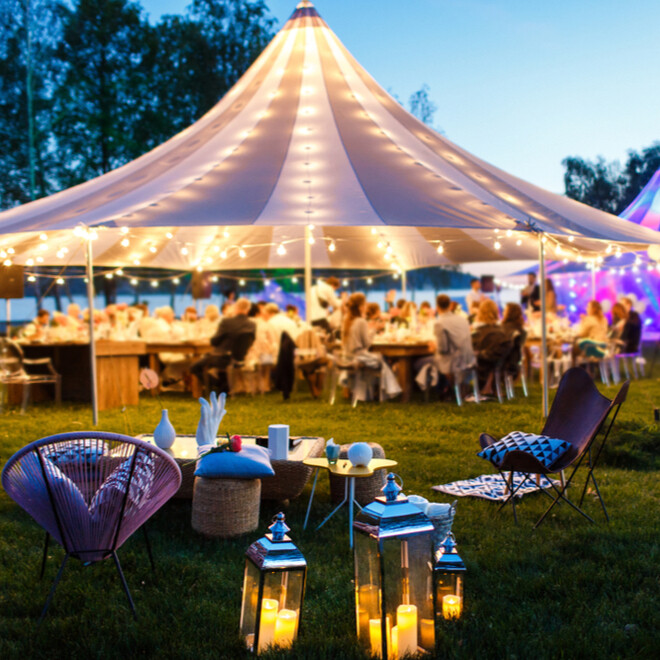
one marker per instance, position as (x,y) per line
(367,489)
(225,507)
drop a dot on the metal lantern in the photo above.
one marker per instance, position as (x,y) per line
(273,590)
(448,575)
(393,576)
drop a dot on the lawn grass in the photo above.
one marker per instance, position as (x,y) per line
(567,590)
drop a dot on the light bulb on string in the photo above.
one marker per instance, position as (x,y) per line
(136,262)
(241,253)
(312,240)
(154,283)
(266,282)
(119,272)
(169,235)
(123,230)
(125,242)
(32,278)
(509,233)
(332,247)
(294,280)
(7,262)
(440,249)
(344,283)
(241,282)
(184,251)
(43,237)
(153,249)
(281,250)
(29,262)
(60,280)
(134,281)
(215,278)
(39,260)
(519,242)
(223,254)
(12,251)
(497,245)
(370,280)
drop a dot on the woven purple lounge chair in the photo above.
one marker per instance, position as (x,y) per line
(90,491)
(578,414)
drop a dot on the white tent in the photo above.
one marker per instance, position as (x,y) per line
(307,160)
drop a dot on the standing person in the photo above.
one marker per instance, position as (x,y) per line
(531,294)
(631,335)
(232,341)
(474,298)
(550,298)
(324,299)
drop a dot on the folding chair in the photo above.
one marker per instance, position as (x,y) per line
(578,414)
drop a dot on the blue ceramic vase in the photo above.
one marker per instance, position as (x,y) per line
(164,434)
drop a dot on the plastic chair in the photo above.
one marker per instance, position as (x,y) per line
(90,491)
(16,369)
(578,414)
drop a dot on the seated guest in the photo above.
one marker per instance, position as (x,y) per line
(619,316)
(592,331)
(37,330)
(232,341)
(189,323)
(294,315)
(631,335)
(513,325)
(489,342)
(280,322)
(75,318)
(452,345)
(356,341)
(373,316)
(207,326)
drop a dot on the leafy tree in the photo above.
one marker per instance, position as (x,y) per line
(100,97)
(421,105)
(608,186)
(29,30)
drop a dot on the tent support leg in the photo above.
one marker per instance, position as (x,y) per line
(544,327)
(308,274)
(92,345)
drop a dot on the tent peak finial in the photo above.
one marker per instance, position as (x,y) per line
(303,4)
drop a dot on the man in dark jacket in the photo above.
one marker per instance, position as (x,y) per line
(231,342)
(631,335)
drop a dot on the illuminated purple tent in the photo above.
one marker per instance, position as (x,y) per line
(645,208)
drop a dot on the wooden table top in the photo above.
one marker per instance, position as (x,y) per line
(402,349)
(185,446)
(104,347)
(187,346)
(344,468)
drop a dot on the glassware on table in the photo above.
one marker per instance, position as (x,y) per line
(332,453)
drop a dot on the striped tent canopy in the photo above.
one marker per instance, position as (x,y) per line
(307,137)
(645,208)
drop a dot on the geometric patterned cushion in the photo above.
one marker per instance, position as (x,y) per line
(545,450)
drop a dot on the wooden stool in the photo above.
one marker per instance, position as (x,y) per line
(225,507)
(366,489)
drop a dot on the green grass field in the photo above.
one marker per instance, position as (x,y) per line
(567,590)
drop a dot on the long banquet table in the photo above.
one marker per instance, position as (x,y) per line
(403,354)
(117,369)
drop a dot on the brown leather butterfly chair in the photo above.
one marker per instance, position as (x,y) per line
(579,412)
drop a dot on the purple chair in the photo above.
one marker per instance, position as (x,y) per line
(90,491)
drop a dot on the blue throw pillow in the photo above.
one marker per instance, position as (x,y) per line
(252,462)
(546,450)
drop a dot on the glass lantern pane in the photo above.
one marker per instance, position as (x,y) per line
(367,592)
(408,592)
(281,607)
(249,608)
(449,594)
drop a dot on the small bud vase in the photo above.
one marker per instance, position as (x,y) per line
(164,434)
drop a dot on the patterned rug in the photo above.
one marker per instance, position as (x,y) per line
(492,486)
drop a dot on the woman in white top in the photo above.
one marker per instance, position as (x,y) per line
(592,331)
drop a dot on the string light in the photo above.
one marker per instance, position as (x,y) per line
(154,283)
(109,276)
(7,262)
(241,282)
(281,250)
(123,230)
(176,280)
(184,251)
(169,235)
(266,282)
(332,247)
(241,253)
(125,242)
(60,280)
(440,249)
(345,282)
(32,278)
(370,280)
(497,245)
(43,237)
(134,281)
(294,280)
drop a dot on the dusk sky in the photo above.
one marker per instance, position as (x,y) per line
(519,83)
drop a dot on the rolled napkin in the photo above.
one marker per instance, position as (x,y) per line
(211,414)
(442,517)
(420,502)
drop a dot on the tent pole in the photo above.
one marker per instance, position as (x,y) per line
(593,280)
(92,345)
(544,329)
(8,324)
(404,284)
(308,274)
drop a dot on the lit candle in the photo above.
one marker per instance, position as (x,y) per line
(285,627)
(267,623)
(394,652)
(451,607)
(406,620)
(427,633)
(375,637)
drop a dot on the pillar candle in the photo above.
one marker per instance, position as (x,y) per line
(406,620)
(285,627)
(451,606)
(375,638)
(394,648)
(427,633)
(267,623)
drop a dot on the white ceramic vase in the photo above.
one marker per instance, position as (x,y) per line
(360,453)
(164,433)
